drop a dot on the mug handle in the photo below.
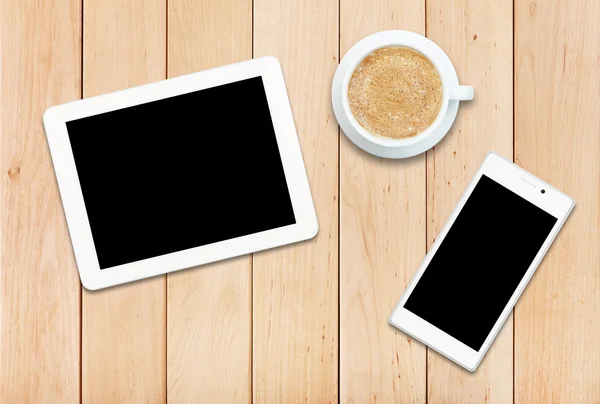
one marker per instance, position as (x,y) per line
(461,93)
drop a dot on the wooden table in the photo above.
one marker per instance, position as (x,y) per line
(305,323)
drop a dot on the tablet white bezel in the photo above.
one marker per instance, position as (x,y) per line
(92,277)
(523,184)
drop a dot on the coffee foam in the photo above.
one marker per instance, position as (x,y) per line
(395,93)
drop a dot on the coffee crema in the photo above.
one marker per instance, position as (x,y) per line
(395,93)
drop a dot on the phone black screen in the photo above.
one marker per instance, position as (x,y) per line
(480,262)
(180,172)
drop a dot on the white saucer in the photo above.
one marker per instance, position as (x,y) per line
(427,143)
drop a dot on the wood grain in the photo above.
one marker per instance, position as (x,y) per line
(124,328)
(557,88)
(477,36)
(295,292)
(382,241)
(40,65)
(266,328)
(209,308)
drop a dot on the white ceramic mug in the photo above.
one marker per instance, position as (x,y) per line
(452,93)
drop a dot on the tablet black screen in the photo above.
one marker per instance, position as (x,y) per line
(181,172)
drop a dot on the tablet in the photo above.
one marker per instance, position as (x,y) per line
(481,261)
(180,173)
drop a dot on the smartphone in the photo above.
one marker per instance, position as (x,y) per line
(481,261)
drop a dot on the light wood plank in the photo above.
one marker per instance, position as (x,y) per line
(40,66)
(382,241)
(295,292)
(209,308)
(124,335)
(478,38)
(557,332)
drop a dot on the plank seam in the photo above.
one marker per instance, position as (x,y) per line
(339,184)
(80,286)
(251,387)
(166,275)
(426,224)
(514,145)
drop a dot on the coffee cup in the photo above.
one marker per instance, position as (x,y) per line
(452,94)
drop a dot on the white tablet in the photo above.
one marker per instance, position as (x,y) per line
(181,172)
(481,261)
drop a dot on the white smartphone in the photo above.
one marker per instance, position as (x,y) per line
(481,261)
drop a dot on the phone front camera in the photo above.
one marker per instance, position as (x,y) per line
(543,191)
